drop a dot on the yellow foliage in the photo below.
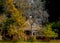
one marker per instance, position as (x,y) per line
(48,32)
(16,15)
(12,29)
(2,18)
(9,2)
(21,33)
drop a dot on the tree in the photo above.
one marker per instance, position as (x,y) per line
(14,20)
(15,14)
(37,11)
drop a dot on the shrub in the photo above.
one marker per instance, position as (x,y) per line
(48,32)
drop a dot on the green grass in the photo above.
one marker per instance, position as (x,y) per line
(28,42)
(24,42)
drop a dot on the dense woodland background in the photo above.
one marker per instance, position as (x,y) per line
(13,18)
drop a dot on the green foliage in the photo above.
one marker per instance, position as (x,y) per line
(7,23)
(47,31)
(1,2)
(56,27)
(32,39)
(2,5)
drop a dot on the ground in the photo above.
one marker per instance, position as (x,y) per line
(51,41)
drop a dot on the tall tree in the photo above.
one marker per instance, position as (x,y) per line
(14,19)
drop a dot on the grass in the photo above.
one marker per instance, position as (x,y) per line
(51,41)
(29,42)
(24,42)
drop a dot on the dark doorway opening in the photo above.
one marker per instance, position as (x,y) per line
(27,32)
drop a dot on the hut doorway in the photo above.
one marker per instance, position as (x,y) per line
(27,32)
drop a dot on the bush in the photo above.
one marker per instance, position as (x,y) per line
(56,27)
(48,32)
